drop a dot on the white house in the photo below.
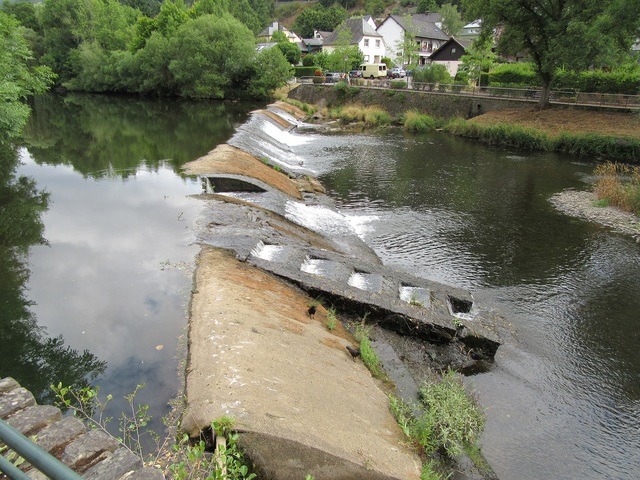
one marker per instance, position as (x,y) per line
(470,31)
(267,33)
(423,28)
(364,35)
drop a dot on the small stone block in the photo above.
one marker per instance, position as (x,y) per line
(7,384)
(147,473)
(14,400)
(33,419)
(87,447)
(114,466)
(60,433)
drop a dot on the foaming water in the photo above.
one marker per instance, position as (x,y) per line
(262,138)
(318,218)
(563,399)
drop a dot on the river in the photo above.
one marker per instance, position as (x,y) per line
(563,398)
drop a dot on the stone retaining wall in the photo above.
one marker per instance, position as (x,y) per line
(91,453)
(437,104)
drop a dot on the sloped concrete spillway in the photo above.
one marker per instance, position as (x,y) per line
(264,207)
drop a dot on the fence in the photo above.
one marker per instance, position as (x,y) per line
(530,94)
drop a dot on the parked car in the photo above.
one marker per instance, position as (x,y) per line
(398,72)
(333,77)
(355,74)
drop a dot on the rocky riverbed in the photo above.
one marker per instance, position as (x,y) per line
(582,204)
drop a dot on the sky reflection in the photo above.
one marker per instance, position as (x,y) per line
(116,276)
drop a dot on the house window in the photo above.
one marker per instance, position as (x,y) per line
(366,42)
(377,43)
(453,50)
(366,59)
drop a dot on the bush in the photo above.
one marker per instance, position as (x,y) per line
(344,91)
(319,79)
(619,185)
(433,73)
(398,84)
(418,122)
(514,74)
(308,60)
(376,117)
(304,71)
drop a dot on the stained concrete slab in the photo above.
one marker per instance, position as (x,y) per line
(256,355)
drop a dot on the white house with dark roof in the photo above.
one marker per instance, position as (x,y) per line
(424,28)
(364,35)
(268,31)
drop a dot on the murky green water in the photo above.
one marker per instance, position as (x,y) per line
(563,399)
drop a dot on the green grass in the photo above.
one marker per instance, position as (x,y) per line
(371,116)
(418,122)
(445,424)
(331,318)
(626,149)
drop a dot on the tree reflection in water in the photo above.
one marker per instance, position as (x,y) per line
(28,354)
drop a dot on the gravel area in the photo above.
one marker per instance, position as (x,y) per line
(581,204)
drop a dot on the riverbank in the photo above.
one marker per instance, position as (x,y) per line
(597,133)
(583,205)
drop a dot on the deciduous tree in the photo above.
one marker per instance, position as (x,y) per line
(555,33)
(18,79)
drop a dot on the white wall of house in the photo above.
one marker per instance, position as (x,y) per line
(373,49)
(451,65)
(393,35)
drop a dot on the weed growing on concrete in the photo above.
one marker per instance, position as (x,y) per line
(187,460)
(305,107)
(227,463)
(367,353)
(447,422)
(331,318)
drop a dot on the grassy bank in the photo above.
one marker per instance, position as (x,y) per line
(602,135)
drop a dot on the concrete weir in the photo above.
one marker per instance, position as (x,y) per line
(302,404)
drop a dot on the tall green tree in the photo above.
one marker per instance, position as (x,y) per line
(574,34)
(479,57)
(18,78)
(319,18)
(426,6)
(207,53)
(451,19)
(271,71)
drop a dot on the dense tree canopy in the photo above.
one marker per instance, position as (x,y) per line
(319,18)
(17,78)
(204,50)
(574,34)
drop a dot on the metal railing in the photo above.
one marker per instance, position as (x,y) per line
(530,94)
(43,461)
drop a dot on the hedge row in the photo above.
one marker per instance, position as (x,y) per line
(522,75)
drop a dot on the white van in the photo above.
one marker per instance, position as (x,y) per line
(373,70)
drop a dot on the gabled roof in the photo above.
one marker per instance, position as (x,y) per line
(463,44)
(358,27)
(422,25)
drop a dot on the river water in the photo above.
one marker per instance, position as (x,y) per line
(563,398)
